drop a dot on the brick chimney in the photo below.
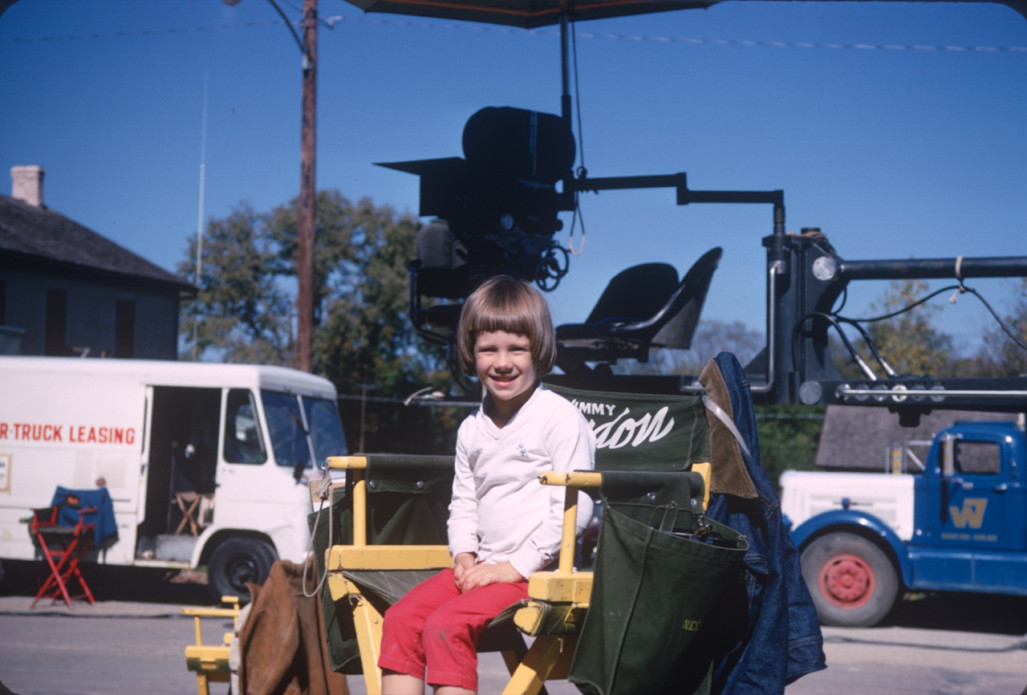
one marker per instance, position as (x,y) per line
(27,184)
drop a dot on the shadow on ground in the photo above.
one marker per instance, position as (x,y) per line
(108,583)
(988,613)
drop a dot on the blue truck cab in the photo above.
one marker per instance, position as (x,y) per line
(967,532)
(970,511)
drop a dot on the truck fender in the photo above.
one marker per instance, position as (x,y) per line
(201,551)
(859,523)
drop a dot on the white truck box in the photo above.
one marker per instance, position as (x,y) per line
(245,438)
(805,494)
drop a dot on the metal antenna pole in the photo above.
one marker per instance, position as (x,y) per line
(199,215)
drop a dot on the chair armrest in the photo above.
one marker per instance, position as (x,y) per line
(705,470)
(576,481)
(549,618)
(211,612)
(355,467)
(388,557)
(230,611)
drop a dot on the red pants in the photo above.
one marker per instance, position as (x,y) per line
(432,632)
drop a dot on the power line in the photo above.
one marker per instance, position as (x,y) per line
(138,33)
(489,28)
(806,44)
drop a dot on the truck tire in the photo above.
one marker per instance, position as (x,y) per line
(236,561)
(853,582)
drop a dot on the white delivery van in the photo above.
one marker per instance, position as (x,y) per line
(233,445)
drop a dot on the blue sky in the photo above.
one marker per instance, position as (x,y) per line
(897,128)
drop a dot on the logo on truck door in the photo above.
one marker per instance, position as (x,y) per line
(972,513)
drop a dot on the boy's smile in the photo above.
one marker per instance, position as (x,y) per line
(504,364)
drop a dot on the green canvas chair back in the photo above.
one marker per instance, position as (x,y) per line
(643,432)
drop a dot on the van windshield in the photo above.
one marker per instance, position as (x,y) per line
(291,417)
(286,427)
(325,428)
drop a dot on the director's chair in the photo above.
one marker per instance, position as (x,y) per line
(371,566)
(76,522)
(62,545)
(210,662)
(195,509)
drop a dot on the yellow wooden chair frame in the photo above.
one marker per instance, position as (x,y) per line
(210,661)
(557,601)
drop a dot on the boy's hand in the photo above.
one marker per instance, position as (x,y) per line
(473,576)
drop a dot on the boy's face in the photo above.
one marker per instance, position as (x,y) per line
(504,364)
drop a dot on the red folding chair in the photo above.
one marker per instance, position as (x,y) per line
(63,544)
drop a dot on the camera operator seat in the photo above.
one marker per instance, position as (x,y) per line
(643,307)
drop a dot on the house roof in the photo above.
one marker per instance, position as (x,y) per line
(42,235)
(856,437)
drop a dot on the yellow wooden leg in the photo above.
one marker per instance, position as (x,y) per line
(202,687)
(511,660)
(540,662)
(368,623)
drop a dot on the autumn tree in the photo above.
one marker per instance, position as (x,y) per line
(1004,352)
(904,333)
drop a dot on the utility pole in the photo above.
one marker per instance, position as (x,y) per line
(305,213)
(308,194)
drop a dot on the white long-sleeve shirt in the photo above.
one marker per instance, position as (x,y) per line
(500,511)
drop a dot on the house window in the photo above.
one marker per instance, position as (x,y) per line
(124,328)
(55,335)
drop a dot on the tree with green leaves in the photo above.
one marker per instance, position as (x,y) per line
(361,292)
(363,340)
(789,436)
(240,313)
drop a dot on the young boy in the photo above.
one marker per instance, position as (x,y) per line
(503,524)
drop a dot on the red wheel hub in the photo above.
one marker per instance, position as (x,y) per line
(847,581)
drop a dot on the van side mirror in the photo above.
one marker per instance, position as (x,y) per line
(298,470)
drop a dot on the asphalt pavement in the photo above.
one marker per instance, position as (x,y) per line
(132,640)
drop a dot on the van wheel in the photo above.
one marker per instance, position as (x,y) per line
(852,580)
(237,561)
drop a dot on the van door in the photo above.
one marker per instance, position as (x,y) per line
(181,474)
(256,489)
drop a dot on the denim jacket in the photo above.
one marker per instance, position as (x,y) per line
(769,634)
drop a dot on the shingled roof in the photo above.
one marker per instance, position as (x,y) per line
(857,437)
(38,234)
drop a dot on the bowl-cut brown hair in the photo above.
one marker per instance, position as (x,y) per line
(504,303)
